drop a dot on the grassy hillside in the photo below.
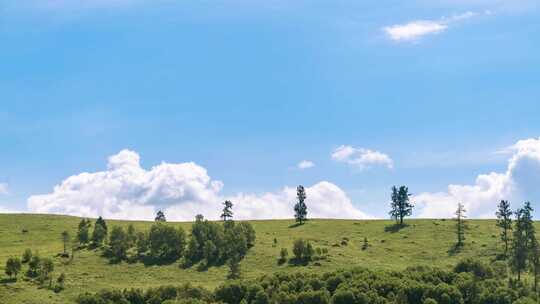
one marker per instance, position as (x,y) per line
(426,242)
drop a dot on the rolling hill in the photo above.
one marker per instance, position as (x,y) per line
(422,242)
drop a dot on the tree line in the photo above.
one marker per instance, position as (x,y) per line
(469,282)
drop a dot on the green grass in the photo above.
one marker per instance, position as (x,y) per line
(425,242)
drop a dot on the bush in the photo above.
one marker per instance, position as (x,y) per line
(283,254)
(27,255)
(166,243)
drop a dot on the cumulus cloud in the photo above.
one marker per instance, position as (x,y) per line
(305,164)
(361,158)
(3,188)
(517,184)
(419,28)
(125,190)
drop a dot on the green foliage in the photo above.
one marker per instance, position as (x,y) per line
(400,206)
(166,243)
(100,232)
(504,221)
(118,243)
(27,255)
(160,216)
(227,210)
(460,225)
(303,251)
(13,267)
(83,231)
(283,255)
(65,240)
(215,243)
(300,208)
(33,266)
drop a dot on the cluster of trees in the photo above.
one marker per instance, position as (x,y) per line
(38,268)
(470,282)
(303,252)
(210,243)
(521,246)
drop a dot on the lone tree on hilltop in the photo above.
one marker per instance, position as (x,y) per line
(460,225)
(504,221)
(160,216)
(227,210)
(300,208)
(401,206)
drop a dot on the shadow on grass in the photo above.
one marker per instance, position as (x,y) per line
(455,249)
(296,225)
(395,228)
(298,262)
(8,280)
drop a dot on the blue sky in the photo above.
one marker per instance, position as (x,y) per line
(249,89)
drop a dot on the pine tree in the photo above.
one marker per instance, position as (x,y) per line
(401,205)
(504,221)
(65,240)
(460,225)
(227,210)
(300,208)
(519,251)
(160,216)
(100,232)
(83,232)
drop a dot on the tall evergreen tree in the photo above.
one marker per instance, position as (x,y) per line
(401,205)
(65,240)
(460,225)
(519,250)
(504,221)
(160,216)
(300,208)
(83,232)
(227,210)
(100,232)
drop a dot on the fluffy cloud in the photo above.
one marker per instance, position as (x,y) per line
(417,29)
(361,158)
(305,164)
(518,183)
(3,188)
(127,191)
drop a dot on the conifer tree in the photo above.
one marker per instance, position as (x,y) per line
(300,208)
(227,210)
(504,221)
(160,216)
(519,252)
(460,225)
(401,205)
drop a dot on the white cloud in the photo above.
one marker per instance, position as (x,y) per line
(127,191)
(361,158)
(305,164)
(4,188)
(517,184)
(419,28)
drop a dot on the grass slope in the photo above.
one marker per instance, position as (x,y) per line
(426,242)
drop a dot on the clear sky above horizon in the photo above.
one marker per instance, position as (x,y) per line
(345,97)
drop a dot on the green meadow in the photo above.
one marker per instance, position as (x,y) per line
(421,242)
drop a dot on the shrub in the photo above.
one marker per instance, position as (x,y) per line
(27,255)
(283,254)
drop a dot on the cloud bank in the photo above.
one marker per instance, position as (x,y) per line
(361,158)
(416,29)
(127,191)
(519,183)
